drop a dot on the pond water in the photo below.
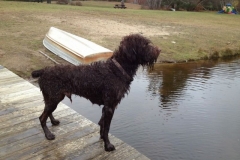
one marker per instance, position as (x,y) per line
(179,111)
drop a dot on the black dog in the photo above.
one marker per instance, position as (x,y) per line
(103,83)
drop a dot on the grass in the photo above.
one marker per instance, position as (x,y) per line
(182,36)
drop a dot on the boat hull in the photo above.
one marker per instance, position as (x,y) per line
(74,49)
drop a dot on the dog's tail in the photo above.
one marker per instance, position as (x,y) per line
(37,73)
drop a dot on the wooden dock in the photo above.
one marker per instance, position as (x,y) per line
(21,135)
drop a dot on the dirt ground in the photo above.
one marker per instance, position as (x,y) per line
(105,27)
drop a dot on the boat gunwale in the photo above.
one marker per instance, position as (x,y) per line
(70,50)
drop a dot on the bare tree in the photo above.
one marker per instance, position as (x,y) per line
(198,3)
(222,3)
(154,4)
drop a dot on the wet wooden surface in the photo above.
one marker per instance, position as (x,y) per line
(21,136)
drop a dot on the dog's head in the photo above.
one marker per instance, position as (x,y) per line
(137,50)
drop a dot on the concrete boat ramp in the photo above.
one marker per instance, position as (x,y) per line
(21,136)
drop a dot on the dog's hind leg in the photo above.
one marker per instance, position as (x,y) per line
(43,119)
(54,121)
(50,106)
(101,124)
(108,114)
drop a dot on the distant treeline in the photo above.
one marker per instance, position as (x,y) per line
(189,5)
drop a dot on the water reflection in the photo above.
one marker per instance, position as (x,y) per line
(169,81)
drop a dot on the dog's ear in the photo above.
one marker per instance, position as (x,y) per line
(127,49)
(140,48)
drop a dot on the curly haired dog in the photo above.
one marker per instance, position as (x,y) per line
(103,83)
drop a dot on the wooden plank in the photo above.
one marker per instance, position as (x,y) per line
(7,81)
(17,87)
(5,73)
(124,151)
(95,149)
(64,150)
(3,70)
(21,111)
(26,142)
(18,120)
(64,133)
(18,93)
(12,81)
(24,125)
(69,119)
(19,136)
(21,102)
(8,76)
(12,98)
(65,139)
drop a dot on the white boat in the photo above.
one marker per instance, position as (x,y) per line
(74,49)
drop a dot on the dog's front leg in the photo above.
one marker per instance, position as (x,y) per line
(108,114)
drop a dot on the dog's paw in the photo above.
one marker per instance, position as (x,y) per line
(55,122)
(50,136)
(109,147)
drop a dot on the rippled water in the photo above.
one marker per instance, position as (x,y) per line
(179,111)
